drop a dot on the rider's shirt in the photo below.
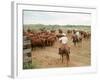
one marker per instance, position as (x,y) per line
(63,40)
(78,34)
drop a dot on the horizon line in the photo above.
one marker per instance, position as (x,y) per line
(59,24)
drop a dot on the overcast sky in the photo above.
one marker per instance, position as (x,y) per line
(36,17)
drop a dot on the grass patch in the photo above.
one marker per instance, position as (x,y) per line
(32,65)
(27,66)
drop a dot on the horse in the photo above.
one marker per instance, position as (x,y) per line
(76,39)
(65,51)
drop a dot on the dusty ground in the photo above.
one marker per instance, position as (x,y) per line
(48,57)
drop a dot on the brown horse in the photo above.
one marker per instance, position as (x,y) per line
(65,51)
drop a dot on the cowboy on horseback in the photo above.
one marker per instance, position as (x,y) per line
(64,48)
(79,36)
(76,37)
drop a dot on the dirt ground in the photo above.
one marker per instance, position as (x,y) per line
(48,57)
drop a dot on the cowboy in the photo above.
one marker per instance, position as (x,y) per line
(78,35)
(63,41)
(64,48)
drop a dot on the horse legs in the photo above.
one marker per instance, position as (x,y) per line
(68,59)
(62,58)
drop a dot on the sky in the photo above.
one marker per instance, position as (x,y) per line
(53,18)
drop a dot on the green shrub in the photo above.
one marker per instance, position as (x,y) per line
(30,65)
(27,66)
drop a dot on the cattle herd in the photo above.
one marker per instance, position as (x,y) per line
(41,39)
(45,38)
(84,34)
